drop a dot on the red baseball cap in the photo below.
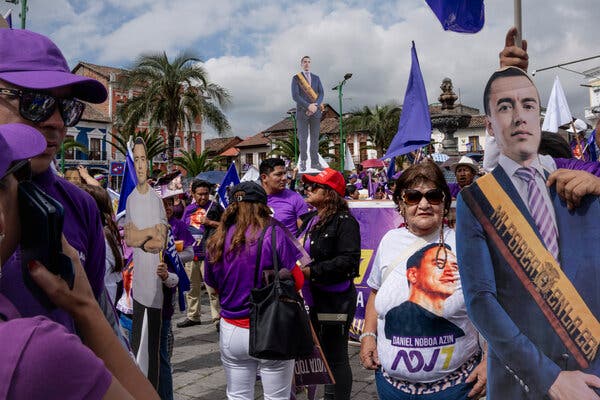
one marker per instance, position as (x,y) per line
(330,178)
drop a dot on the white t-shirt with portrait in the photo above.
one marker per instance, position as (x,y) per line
(418,346)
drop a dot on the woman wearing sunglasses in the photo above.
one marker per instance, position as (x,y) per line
(331,235)
(40,358)
(417,335)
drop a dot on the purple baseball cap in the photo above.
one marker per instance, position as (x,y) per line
(19,142)
(32,61)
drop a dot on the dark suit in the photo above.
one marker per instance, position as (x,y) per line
(305,122)
(525,354)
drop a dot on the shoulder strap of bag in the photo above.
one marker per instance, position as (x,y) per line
(408,251)
(259,253)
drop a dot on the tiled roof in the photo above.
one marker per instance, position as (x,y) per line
(436,108)
(91,113)
(477,121)
(101,69)
(218,145)
(254,141)
(230,152)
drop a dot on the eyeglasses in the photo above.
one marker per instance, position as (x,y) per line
(39,106)
(434,196)
(21,170)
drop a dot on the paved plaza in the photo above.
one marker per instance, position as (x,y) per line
(197,371)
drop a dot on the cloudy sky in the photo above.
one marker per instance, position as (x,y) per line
(252,47)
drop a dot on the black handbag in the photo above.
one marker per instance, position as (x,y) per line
(279,326)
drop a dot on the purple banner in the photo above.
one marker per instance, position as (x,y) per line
(375,219)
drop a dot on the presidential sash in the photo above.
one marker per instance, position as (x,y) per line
(536,268)
(308,90)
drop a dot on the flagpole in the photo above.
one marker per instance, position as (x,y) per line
(518,23)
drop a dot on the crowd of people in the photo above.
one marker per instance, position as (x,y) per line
(506,305)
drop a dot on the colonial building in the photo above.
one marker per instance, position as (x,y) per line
(107,111)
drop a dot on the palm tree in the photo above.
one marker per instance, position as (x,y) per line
(174,95)
(195,163)
(284,147)
(380,123)
(155,143)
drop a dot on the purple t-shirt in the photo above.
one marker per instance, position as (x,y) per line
(83,230)
(454,189)
(212,211)
(181,232)
(287,207)
(40,359)
(233,276)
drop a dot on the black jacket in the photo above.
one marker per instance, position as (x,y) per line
(334,247)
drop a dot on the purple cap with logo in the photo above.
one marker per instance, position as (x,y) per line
(19,142)
(32,61)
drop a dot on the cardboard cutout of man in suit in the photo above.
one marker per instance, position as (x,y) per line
(307,92)
(527,358)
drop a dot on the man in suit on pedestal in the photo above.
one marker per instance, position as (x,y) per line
(520,252)
(307,92)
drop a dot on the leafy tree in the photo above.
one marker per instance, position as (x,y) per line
(155,144)
(195,163)
(380,123)
(174,95)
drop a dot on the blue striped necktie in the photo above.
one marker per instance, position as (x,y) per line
(539,210)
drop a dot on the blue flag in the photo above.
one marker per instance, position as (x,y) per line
(174,263)
(230,179)
(465,16)
(591,144)
(414,128)
(391,169)
(129,180)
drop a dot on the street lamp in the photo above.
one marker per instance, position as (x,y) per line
(24,10)
(339,87)
(292,113)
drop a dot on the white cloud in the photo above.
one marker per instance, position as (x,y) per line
(255,46)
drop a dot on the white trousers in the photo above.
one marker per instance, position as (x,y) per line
(241,369)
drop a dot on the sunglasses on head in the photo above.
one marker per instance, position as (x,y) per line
(412,196)
(21,170)
(39,106)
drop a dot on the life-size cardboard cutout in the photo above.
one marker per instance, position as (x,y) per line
(145,231)
(529,266)
(307,92)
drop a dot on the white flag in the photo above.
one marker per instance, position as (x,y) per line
(348,161)
(558,112)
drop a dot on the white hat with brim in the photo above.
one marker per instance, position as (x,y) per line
(466,161)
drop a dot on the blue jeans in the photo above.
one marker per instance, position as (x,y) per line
(165,377)
(387,391)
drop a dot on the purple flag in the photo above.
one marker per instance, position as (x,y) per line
(465,16)
(414,129)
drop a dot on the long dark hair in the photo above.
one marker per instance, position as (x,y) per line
(333,204)
(111,231)
(244,215)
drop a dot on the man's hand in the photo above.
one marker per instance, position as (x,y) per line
(479,376)
(368,353)
(572,185)
(574,385)
(76,302)
(162,271)
(512,55)
(312,108)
